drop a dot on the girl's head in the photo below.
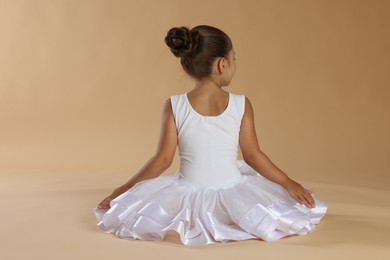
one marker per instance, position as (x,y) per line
(204,52)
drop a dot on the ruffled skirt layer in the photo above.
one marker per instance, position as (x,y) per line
(253,207)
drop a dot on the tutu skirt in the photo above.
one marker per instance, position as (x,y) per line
(253,207)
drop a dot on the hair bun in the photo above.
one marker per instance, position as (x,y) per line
(181,41)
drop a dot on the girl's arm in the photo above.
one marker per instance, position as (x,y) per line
(159,162)
(255,158)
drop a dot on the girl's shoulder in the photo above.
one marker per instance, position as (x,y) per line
(178,95)
(237,94)
(175,98)
(238,101)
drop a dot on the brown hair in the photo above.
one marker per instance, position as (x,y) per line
(198,48)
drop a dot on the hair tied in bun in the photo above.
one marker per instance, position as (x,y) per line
(180,41)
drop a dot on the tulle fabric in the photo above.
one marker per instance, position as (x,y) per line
(253,207)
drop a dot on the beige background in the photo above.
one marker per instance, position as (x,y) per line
(82,84)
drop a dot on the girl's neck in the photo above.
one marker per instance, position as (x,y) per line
(207,86)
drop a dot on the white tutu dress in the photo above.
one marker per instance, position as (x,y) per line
(213,197)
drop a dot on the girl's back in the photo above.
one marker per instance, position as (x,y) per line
(208,145)
(208,105)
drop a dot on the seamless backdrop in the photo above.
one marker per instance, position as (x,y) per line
(82,85)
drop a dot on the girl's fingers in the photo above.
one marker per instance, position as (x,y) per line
(310,198)
(310,201)
(104,204)
(298,199)
(310,191)
(302,201)
(306,200)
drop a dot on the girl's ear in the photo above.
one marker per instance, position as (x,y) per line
(221,65)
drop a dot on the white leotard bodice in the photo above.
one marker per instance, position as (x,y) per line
(208,145)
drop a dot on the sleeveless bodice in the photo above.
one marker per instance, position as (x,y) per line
(208,145)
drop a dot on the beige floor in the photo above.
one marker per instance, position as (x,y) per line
(49,216)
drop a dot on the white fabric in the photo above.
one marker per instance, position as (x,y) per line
(213,197)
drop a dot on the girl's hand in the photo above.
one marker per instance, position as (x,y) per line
(300,194)
(105,204)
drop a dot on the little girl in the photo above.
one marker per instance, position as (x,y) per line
(213,197)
